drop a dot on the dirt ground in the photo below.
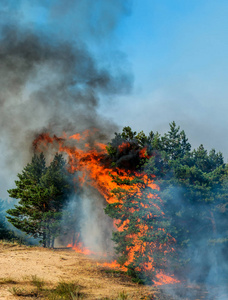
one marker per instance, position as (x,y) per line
(18,264)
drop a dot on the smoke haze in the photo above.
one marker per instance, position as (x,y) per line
(49,80)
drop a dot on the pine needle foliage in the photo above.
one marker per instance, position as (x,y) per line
(42,192)
(193,186)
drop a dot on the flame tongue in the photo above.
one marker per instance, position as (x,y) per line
(91,163)
(79,247)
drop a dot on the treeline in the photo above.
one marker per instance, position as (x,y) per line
(186,221)
(193,188)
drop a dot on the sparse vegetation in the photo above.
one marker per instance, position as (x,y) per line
(7,280)
(63,290)
(16,291)
(37,282)
(9,243)
(23,292)
(122,296)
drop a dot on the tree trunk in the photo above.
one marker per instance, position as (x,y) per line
(48,236)
(52,242)
(44,239)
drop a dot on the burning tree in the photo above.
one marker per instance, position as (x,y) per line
(161,195)
(144,244)
(42,192)
(193,189)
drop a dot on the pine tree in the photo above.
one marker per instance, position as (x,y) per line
(193,188)
(144,243)
(42,192)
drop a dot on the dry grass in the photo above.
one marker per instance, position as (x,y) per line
(37,282)
(65,290)
(37,288)
(35,272)
(7,280)
(38,273)
(25,293)
(8,244)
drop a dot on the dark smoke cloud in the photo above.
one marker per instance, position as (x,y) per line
(49,80)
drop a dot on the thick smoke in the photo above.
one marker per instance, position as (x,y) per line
(51,81)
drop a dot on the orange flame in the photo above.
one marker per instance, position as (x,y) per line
(79,247)
(91,162)
(124,146)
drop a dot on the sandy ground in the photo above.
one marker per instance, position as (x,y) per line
(20,263)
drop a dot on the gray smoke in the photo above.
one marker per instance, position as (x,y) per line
(57,63)
(49,80)
(205,257)
(89,220)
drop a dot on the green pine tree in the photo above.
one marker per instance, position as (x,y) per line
(42,192)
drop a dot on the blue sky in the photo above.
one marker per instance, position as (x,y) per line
(177,51)
(176,38)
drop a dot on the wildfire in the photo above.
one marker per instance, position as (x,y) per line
(94,169)
(79,247)
(112,265)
